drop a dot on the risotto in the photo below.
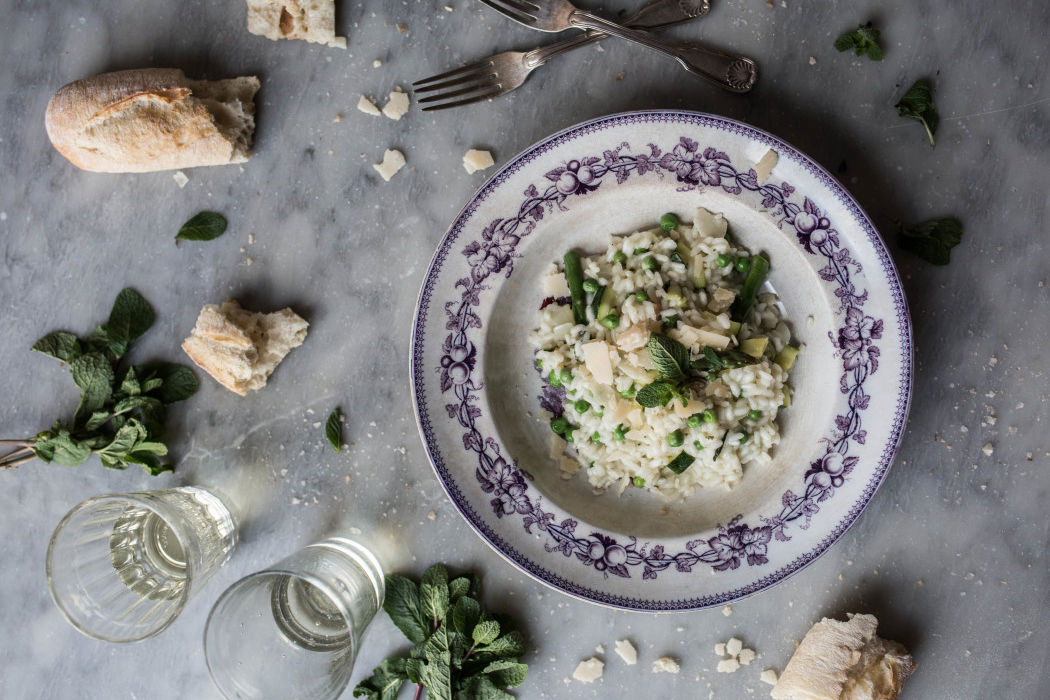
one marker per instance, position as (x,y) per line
(666,368)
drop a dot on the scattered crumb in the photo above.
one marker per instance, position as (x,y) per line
(401,27)
(665,664)
(588,671)
(728,666)
(432,515)
(249,262)
(600,649)
(627,652)
(812,61)
(769,4)
(769,676)
(720,649)
(355,531)
(747,656)
(621,75)
(727,610)
(393,160)
(448,8)
(988,449)
(475,160)
(368,106)
(180,179)
(733,646)
(376,63)
(397,105)
(599,48)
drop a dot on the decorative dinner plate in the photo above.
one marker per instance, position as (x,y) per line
(476,390)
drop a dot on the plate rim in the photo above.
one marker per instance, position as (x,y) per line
(885,461)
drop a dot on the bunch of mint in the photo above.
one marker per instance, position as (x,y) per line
(460,651)
(122,408)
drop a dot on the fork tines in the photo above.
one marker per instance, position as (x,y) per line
(518,10)
(475,82)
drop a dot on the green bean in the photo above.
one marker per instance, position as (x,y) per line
(574,276)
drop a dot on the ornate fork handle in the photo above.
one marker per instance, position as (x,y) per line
(735,73)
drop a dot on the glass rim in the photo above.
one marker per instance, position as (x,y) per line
(60,529)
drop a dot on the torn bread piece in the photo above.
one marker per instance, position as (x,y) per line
(140,121)
(241,348)
(312,20)
(845,661)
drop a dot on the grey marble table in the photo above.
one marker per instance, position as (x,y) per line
(952,553)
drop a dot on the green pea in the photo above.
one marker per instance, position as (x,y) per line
(596,438)
(697,445)
(675,439)
(559,425)
(638,482)
(568,434)
(723,261)
(641,251)
(619,433)
(668,222)
(611,321)
(590,286)
(629,393)
(650,263)
(742,264)
(744,438)
(694,420)
(754,414)
(619,257)
(671,321)
(581,406)
(553,379)
(710,416)
(641,296)
(565,376)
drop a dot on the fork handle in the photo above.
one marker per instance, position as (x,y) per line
(734,73)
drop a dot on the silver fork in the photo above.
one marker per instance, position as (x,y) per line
(735,73)
(504,72)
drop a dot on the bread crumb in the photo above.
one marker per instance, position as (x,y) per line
(988,449)
(475,160)
(727,610)
(251,239)
(627,652)
(769,676)
(448,8)
(249,262)
(376,63)
(747,656)
(733,646)
(812,61)
(432,515)
(396,106)
(337,118)
(621,75)
(368,107)
(180,180)
(769,4)
(588,671)
(720,649)
(728,666)
(393,160)
(665,664)
(401,27)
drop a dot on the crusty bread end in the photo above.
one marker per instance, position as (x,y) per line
(845,661)
(240,349)
(137,121)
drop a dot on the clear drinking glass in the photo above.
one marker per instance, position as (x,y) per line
(122,566)
(292,630)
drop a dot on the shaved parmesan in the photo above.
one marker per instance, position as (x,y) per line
(393,161)
(368,106)
(627,652)
(714,340)
(596,357)
(588,671)
(665,664)
(555,286)
(557,446)
(765,166)
(396,106)
(475,160)
(709,225)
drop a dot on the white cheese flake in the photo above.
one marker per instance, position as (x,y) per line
(733,646)
(727,610)
(707,224)
(588,671)
(665,664)
(475,160)
(720,649)
(765,166)
(747,656)
(769,676)
(596,358)
(368,106)
(728,666)
(396,106)
(627,652)
(555,286)
(393,160)
(180,180)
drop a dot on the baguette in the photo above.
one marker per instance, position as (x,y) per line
(138,121)
(240,349)
(845,661)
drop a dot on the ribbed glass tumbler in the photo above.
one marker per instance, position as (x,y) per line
(293,630)
(122,566)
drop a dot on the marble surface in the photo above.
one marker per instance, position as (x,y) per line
(952,553)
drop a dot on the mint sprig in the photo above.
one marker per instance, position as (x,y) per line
(863,41)
(460,651)
(918,104)
(931,240)
(121,412)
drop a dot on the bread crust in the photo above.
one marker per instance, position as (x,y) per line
(151,119)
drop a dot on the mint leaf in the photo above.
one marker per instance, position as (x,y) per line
(94,375)
(130,318)
(845,42)
(205,226)
(917,104)
(123,443)
(62,449)
(403,607)
(670,357)
(178,382)
(64,347)
(485,632)
(506,672)
(147,461)
(385,682)
(511,644)
(931,240)
(457,588)
(333,430)
(437,674)
(465,615)
(659,393)
(433,593)
(863,41)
